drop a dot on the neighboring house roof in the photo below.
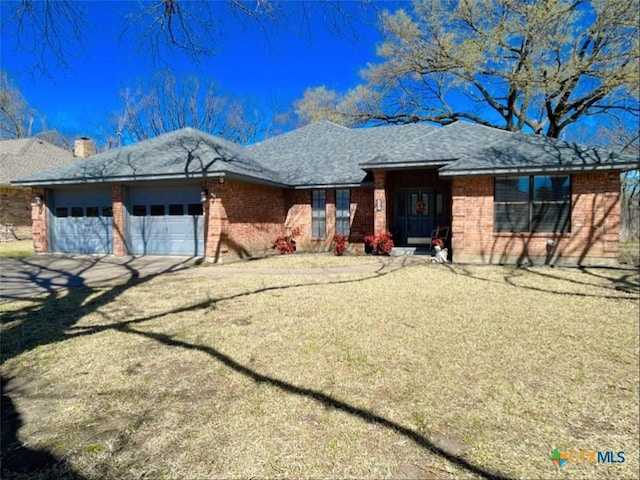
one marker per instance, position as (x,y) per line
(185,153)
(25,156)
(463,148)
(325,153)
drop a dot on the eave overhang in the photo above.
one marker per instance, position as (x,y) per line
(530,170)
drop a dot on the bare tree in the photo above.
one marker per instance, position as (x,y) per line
(53,30)
(17,118)
(50,30)
(167,103)
(537,66)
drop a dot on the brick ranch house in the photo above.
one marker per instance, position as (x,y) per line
(21,157)
(507,197)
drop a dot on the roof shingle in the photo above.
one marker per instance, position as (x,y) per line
(185,153)
(324,153)
(25,156)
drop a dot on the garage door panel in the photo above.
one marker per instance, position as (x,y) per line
(166,221)
(77,235)
(81,221)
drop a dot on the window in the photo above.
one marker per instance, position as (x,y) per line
(318,214)
(194,209)
(139,210)
(439,203)
(62,212)
(157,210)
(343,212)
(107,211)
(176,209)
(92,211)
(77,212)
(540,203)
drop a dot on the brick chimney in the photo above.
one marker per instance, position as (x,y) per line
(84,147)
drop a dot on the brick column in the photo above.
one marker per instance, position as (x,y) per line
(39,223)
(458,214)
(379,198)
(119,248)
(215,221)
(331,214)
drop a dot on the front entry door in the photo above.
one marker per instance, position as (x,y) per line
(414,215)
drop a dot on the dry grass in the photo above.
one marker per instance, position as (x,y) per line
(16,248)
(429,371)
(630,252)
(307,260)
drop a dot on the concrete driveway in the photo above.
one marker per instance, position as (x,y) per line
(30,276)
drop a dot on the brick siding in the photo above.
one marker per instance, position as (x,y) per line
(39,215)
(15,209)
(380,216)
(244,219)
(119,246)
(362,213)
(595,224)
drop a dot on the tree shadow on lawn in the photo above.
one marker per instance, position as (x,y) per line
(74,307)
(20,461)
(44,322)
(626,283)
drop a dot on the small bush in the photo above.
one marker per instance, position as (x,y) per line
(368,243)
(341,241)
(286,244)
(382,243)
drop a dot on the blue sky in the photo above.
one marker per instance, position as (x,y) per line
(276,65)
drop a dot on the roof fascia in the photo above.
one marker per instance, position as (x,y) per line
(320,186)
(481,172)
(405,165)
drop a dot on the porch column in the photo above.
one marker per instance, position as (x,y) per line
(215,221)
(379,201)
(39,226)
(330,213)
(117,208)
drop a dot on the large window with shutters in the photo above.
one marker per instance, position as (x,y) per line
(532,204)
(343,212)
(318,214)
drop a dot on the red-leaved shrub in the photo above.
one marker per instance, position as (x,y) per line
(341,241)
(368,243)
(286,244)
(382,243)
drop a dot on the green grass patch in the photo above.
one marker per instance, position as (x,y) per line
(16,248)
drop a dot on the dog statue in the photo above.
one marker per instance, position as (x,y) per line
(440,255)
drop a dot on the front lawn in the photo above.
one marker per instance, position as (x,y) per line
(16,248)
(431,371)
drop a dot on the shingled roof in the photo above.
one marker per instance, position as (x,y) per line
(324,153)
(327,155)
(185,153)
(24,156)
(517,152)
(463,148)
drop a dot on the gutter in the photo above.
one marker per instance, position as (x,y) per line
(483,172)
(142,178)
